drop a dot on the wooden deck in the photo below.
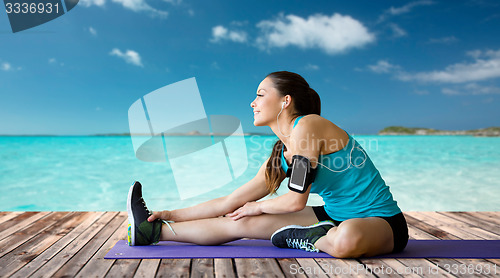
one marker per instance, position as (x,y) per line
(56,244)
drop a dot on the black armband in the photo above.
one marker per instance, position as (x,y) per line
(301,174)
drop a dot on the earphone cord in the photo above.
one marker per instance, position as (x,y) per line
(350,160)
(282,106)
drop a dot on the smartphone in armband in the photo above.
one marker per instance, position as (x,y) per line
(302,174)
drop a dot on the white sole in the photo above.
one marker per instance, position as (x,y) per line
(131,216)
(302,227)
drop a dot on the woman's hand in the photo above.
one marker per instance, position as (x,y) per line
(249,209)
(164,215)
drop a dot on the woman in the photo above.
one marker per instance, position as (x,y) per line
(359,218)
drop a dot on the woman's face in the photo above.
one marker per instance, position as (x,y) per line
(267,104)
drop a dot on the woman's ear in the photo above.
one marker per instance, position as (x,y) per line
(288,100)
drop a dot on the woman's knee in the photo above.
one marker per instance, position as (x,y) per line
(348,242)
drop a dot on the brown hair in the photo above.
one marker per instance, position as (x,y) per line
(305,101)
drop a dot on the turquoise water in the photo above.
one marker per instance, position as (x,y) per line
(425,173)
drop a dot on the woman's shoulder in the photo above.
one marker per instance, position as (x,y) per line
(314,122)
(316,127)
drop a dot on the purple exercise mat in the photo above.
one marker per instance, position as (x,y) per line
(470,249)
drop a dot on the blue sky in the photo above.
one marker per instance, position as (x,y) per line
(374,63)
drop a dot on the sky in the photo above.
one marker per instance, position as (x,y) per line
(421,63)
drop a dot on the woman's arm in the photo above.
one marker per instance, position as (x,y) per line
(253,190)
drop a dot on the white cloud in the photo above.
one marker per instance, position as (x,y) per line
(88,3)
(173,2)
(474,53)
(486,66)
(53,61)
(134,5)
(311,67)
(6,66)
(92,31)
(397,31)
(129,56)
(471,89)
(408,7)
(140,6)
(220,33)
(392,11)
(215,66)
(444,40)
(383,66)
(332,34)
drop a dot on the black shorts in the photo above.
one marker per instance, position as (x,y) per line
(397,223)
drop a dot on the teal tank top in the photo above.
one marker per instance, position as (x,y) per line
(357,192)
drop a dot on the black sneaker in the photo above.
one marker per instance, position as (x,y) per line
(300,237)
(140,231)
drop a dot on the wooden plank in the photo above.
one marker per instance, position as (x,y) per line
(20,222)
(346,267)
(223,268)
(421,267)
(55,248)
(465,267)
(257,268)
(123,268)
(73,266)
(288,265)
(495,267)
(385,267)
(8,215)
(309,267)
(13,241)
(412,219)
(478,267)
(488,216)
(20,256)
(52,266)
(460,229)
(475,221)
(202,268)
(170,268)
(147,268)
(97,266)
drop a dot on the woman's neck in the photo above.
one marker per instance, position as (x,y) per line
(284,129)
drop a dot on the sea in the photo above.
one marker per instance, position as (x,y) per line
(94,173)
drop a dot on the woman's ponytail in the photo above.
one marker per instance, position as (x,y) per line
(274,172)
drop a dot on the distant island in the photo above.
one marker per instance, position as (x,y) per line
(401,130)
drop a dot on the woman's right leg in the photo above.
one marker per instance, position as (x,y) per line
(213,231)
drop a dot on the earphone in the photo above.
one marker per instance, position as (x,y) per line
(283,104)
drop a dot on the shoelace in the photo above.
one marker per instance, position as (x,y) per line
(151,212)
(302,244)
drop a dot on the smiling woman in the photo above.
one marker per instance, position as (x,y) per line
(359,218)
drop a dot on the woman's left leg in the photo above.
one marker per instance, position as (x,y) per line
(358,237)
